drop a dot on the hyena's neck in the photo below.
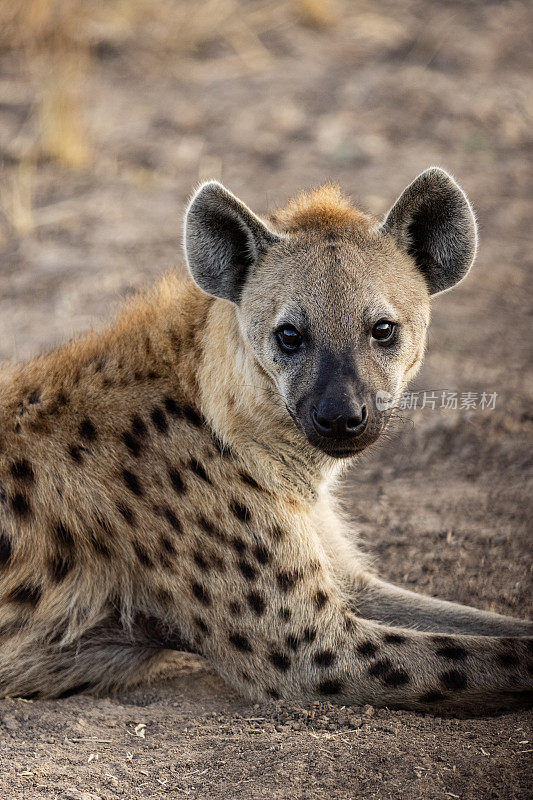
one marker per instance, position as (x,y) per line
(248,414)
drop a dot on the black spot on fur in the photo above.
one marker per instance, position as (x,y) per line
(20,505)
(452,651)
(192,416)
(292,642)
(76,452)
(320,599)
(330,687)
(247,570)
(64,536)
(239,545)
(172,407)
(142,555)
(280,660)
(23,471)
(133,444)
(210,528)
(173,520)
(80,687)
(388,674)
(285,614)
(26,593)
(240,642)
(201,594)
(508,659)
(309,635)
(200,624)
(394,638)
(199,470)
(240,511)
(256,602)
(380,668)
(5,549)
(262,554)
(176,480)
(246,478)
(367,649)
(159,419)
(277,533)
(167,546)
(87,430)
(126,513)
(132,482)
(324,658)
(200,561)
(138,427)
(396,677)
(273,693)
(60,566)
(287,580)
(432,697)
(454,680)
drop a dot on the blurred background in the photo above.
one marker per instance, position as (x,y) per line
(112,110)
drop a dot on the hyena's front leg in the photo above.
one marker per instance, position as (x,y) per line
(295,638)
(356,661)
(377,600)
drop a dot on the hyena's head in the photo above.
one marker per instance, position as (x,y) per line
(333,304)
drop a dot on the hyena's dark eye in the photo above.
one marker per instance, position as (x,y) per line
(383,331)
(289,339)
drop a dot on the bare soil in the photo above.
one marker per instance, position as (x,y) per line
(443,505)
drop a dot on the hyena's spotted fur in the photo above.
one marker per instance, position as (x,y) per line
(154,493)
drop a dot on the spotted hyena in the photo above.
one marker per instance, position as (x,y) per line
(167,483)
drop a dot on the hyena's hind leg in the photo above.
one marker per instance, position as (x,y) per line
(375,599)
(107,657)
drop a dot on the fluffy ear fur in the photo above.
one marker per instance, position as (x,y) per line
(433,220)
(223,240)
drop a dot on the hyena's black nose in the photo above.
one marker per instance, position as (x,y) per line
(330,421)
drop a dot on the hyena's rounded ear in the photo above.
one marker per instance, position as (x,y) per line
(433,220)
(223,241)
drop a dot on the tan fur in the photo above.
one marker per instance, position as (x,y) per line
(154,493)
(323,209)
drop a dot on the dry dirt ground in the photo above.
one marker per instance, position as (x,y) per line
(442,505)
